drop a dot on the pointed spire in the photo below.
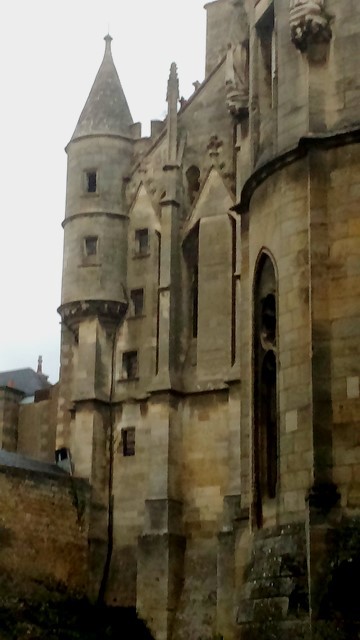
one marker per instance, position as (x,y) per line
(106,110)
(39,365)
(172,98)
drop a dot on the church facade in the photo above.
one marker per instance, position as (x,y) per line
(209,380)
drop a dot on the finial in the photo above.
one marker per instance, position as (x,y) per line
(108,40)
(173,83)
(39,365)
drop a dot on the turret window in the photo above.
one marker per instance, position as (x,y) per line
(137,302)
(142,242)
(91,182)
(91,245)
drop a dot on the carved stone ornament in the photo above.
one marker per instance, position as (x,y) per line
(214,147)
(237,62)
(237,80)
(309,23)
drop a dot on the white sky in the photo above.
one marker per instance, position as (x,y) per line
(50,51)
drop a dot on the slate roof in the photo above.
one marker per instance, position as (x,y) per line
(17,461)
(106,110)
(25,380)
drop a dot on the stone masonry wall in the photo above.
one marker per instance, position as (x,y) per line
(9,412)
(344,289)
(37,428)
(281,204)
(43,533)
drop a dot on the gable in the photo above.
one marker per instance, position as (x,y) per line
(214,199)
(142,210)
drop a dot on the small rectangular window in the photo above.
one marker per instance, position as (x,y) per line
(128,441)
(137,302)
(130,365)
(142,242)
(91,243)
(91,181)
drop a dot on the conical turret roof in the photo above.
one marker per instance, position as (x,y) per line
(106,110)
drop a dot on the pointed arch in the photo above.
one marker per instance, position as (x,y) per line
(265,374)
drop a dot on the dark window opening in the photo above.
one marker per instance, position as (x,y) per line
(195,301)
(265,387)
(192,176)
(61,454)
(268,320)
(269,425)
(91,243)
(130,365)
(128,441)
(91,181)
(142,241)
(63,459)
(191,256)
(137,302)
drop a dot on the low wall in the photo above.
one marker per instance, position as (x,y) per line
(43,533)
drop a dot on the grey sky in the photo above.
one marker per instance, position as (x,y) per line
(50,53)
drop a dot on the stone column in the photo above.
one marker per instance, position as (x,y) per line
(161,546)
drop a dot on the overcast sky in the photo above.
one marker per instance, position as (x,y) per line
(50,51)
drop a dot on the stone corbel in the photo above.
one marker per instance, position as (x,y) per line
(109,312)
(309,23)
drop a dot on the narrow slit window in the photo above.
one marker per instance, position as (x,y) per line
(137,302)
(91,245)
(130,365)
(91,181)
(128,441)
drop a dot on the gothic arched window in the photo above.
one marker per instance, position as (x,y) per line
(265,386)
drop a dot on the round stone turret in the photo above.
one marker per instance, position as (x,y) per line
(95,225)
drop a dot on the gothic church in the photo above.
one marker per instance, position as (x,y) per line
(209,385)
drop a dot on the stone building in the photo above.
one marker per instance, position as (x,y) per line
(28,407)
(209,381)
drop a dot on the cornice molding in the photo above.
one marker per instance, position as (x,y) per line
(305,144)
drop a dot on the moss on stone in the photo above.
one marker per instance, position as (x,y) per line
(69,619)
